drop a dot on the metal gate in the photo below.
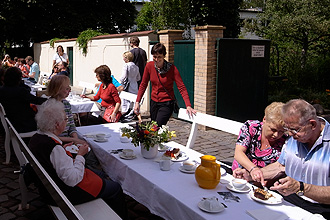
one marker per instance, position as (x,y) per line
(184,60)
(242,78)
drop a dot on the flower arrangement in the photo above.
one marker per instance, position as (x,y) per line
(148,133)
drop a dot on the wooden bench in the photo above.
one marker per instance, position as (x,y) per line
(211,121)
(96,209)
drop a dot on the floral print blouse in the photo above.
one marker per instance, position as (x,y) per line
(250,137)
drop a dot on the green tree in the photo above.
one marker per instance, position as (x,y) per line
(161,14)
(180,14)
(26,21)
(302,25)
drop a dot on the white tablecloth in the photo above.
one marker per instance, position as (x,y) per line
(79,106)
(171,194)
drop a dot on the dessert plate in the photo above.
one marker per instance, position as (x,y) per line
(232,188)
(74,149)
(182,158)
(274,200)
(122,156)
(93,134)
(101,141)
(187,171)
(201,206)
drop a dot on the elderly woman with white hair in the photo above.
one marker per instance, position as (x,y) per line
(78,183)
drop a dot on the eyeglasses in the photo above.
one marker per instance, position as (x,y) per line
(295,131)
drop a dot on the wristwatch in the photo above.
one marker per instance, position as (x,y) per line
(300,192)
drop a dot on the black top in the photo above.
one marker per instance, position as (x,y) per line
(16,102)
(140,59)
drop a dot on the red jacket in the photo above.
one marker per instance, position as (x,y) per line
(158,93)
(108,95)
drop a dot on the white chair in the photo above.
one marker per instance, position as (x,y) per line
(129,96)
(211,121)
(22,163)
(7,137)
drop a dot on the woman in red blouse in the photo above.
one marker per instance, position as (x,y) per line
(107,92)
(162,75)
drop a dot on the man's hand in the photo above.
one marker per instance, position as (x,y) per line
(286,186)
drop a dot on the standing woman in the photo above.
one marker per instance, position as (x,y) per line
(162,75)
(131,75)
(60,56)
(108,93)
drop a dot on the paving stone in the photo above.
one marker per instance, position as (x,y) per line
(13,185)
(7,216)
(5,180)
(3,198)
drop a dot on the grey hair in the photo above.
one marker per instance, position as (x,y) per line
(49,115)
(299,108)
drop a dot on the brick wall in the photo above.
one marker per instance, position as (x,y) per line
(206,67)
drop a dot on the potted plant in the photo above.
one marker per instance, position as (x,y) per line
(148,135)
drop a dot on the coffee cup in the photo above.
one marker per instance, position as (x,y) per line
(100,137)
(128,152)
(165,165)
(239,183)
(188,165)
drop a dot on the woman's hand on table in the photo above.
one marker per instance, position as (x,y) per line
(191,112)
(257,175)
(242,174)
(79,141)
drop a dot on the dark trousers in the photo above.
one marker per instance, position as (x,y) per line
(161,111)
(113,195)
(314,208)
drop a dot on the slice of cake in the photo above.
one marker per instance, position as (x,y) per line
(174,154)
(262,194)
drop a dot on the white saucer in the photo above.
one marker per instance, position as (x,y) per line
(232,188)
(187,171)
(122,156)
(220,209)
(101,141)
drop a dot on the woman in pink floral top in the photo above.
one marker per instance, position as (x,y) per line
(260,143)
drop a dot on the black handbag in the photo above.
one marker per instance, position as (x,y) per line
(174,101)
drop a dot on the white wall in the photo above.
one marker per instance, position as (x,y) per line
(106,50)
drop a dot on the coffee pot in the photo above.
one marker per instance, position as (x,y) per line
(207,174)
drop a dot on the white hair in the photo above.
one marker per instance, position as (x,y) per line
(299,108)
(49,114)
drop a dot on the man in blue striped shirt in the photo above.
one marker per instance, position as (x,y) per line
(305,159)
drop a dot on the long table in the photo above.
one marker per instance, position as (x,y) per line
(171,194)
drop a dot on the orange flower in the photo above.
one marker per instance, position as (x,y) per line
(146,132)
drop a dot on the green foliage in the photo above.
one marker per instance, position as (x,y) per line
(160,15)
(84,37)
(42,20)
(52,41)
(180,14)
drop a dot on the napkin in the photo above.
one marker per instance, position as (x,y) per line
(261,214)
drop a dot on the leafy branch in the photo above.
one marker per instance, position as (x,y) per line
(84,37)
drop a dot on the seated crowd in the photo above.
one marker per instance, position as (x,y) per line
(288,151)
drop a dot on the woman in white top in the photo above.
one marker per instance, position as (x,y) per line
(60,56)
(131,72)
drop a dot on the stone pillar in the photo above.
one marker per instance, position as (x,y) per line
(167,37)
(206,67)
